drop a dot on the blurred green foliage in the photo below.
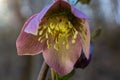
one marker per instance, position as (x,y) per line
(84,1)
(66,77)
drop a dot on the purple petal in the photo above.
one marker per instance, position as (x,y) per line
(82,62)
(27,44)
(33,25)
(63,61)
(78,13)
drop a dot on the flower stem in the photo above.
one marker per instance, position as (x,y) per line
(53,74)
(43,71)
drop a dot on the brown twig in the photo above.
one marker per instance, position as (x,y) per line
(43,72)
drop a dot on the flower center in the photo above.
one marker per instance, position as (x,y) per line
(57,31)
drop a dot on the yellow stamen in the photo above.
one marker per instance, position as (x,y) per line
(67,46)
(57,32)
(75,35)
(48,44)
(46,36)
(40,33)
(49,30)
(51,26)
(56,47)
(64,42)
(39,39)
(73,41)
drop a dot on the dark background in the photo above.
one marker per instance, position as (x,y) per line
(105,64)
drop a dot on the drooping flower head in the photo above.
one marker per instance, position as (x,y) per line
(60,31)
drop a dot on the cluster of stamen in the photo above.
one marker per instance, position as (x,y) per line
(57,32)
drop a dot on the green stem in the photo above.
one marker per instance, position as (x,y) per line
(43,71)
(53,74)
(96,33)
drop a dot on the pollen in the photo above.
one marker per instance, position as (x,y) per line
(58,32)
(56,47)
(48,44)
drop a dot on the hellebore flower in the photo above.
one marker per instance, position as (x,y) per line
(60,32)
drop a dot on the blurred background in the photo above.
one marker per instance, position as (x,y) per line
(105,64)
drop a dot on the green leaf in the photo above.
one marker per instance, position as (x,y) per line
(84,1)
(66,77)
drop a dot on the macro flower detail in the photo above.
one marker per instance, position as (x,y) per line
(60,32)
